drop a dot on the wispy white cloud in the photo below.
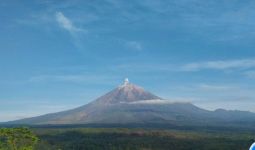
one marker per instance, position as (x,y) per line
(213,96)
(158,101)
(76,33)
(134,45)
(228,105)
(67,24)
(76,78)
(218,92)
(220,65)
(237,66)
(72,78)
(213,88)
(250,74)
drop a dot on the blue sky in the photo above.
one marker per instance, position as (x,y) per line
(56,55)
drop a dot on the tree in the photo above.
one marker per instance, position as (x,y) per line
(17,139)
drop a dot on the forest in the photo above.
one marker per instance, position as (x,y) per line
(97,138)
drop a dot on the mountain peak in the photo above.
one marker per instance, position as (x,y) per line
(126,82)
(127,92)
(129,86)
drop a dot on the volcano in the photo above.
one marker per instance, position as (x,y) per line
(131,104)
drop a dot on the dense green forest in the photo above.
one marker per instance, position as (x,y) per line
(85,138)
(17,139)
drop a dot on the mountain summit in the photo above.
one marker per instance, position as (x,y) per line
(131,104)
(125,93)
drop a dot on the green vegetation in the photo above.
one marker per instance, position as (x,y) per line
(87,138)
(141,139)
(17,139)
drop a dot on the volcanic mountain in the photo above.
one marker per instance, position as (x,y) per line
(129,103)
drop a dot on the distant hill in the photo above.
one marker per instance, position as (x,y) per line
(130,103)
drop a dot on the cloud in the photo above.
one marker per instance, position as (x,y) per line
(238,66)
(250,74)
(72,78)
(134,45)
(209,87)
(156,101)
(76,33)
(228,105)
(218,92)
(220,65)
(213,88)
(67,24)
(75,78)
